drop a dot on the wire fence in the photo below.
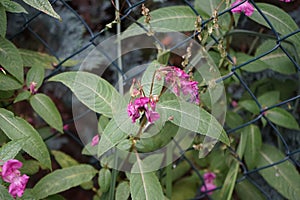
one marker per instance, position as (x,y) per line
(90,41)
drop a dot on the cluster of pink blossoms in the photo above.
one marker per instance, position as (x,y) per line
(140,105)
(245,7)
(209,185)
(10,173)
(180,82)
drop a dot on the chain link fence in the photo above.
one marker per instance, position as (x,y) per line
(80,31)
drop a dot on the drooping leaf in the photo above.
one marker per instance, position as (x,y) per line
(4,193)
(149,76)
(11,6)
(64,160)
(35,74)
(253,145)
(22,96)
(43,6)
(7,82)
(281,21)
(282,118)
(62,180)
(17,128)
(193,118)
(45,107)
(167,19)
(10,59)
(11,149)
(104,179)
(3,21)
(283,177)
(92,90)
(43,60)
(123,191)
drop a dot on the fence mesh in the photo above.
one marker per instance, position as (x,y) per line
(89,37)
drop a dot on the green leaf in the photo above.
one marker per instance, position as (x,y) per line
(104,179)
(93,91)
(233,119)
(111,136)
(284,177)
(11,6)
(282,118)
(207,6)
(149,76)
(43,60)
(193,118)
(7,82)
(102,123)
(63,159)
(277,60)
(247,191)
(30,167)
(250,105)
(255,66)
(45,107)
(123,191)
(4,193)
(186,187)
(63,179)
(11,149)
(3,21)
(165,135)
(22,96)
(10,59)
(269,98)
(145,186)
(253,145)
(35,74)
(167,19)
(43,6)
(281,21)
(17,128)
(55,197)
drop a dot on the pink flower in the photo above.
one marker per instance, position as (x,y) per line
(32,88)
(95,140)
(18,185)
(142,104)
(207,187)
(286,1)
(234,103)
(209,178)
(180,82)
(245,7)
(10,173)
